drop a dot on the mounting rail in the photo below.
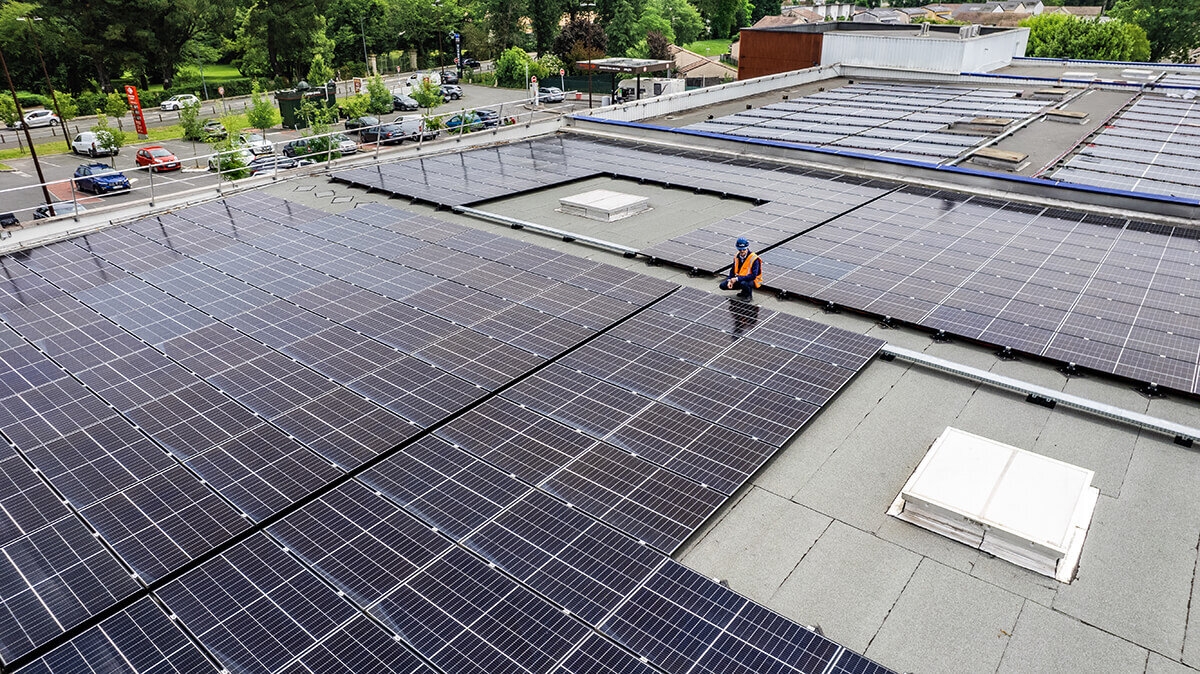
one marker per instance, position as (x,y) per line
(533,226)
(1184,435)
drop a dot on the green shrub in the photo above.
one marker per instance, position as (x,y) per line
(29,100)
(90,102)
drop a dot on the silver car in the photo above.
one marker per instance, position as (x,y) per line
(36,118)
(178,101)
(255,143)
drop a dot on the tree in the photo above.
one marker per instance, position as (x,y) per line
(622,29)
(116,105)
(686,22)
(504,22)
(318,72)
(512,66)
(657,46)
(427,95)
(652,21)
(761,8)
(354,107)
(189,119)
(720,15)
(8,111)
(319,117)
(579,32)
(280,34)
(229,159)
(380,98)
(1061,36)
(262,114)
(544,16)
(1173,26)
(108,138)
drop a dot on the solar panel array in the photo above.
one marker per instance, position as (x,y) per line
(901,121)
(1180,80)
(1153,146)
(251,436)
(1114,295)
(794,194)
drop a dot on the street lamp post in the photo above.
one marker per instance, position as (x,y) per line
(54,97)
(28,138)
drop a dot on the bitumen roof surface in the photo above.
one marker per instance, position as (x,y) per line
(809,535)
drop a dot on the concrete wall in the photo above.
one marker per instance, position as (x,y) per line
(934,54)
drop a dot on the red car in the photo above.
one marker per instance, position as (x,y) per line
(157,158)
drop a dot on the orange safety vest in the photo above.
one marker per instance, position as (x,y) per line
(744,267)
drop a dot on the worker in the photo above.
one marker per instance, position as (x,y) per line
(746,272)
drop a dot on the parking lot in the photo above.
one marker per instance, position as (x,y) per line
(193,156)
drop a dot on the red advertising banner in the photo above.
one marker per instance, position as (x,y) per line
(135,106)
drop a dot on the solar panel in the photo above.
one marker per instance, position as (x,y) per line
(1150,146)
(254,352)
(1103,293)
(866,118)
(139,640)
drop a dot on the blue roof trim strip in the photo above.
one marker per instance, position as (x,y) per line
(1147,196)
(1138,85)
(1112,63)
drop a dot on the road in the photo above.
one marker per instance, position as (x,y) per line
(194,173)
(155,117)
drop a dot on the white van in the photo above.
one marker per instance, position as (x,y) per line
(413,127)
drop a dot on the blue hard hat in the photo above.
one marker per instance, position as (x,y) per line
(742,243)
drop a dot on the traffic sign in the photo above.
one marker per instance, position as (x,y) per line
(561,72)
(533,79)
(455,60)
(221,91)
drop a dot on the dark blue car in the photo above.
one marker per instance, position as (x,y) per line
(100,178)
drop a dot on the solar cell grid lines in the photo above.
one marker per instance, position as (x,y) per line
(901,121)
(249,356)
(1112,295)
(1151,146)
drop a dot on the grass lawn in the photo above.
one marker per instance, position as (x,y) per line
(709,47)
(214,74)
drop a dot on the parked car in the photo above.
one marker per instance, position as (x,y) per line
(490,117)
(383,134)
(88,143)
(255,143)
(465,122)
(303,147)
(415,79)
(100,178)
(344,144)
(448,76)
(36,118)
(413,128)
(157,158)
(60,208)
(8,220)
(214,130)
(403,102)
(550,95)
(470,63)
(358,123)
(451,92)
(178,102)
(246,155)
(270,164)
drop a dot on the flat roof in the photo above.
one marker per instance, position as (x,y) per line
(810,536)
(624,65)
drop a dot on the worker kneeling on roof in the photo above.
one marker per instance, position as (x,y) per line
(746,272)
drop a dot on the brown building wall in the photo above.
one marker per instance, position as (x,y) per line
(765,52)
